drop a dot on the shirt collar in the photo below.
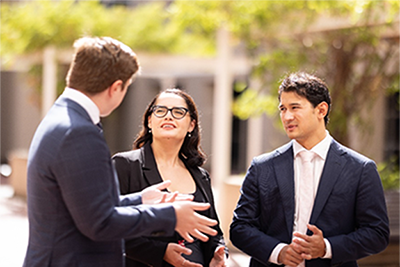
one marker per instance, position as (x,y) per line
(83,101)
(321,149)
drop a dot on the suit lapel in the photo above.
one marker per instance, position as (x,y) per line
(150,170)
(334,164)
(284,173)
(199,180)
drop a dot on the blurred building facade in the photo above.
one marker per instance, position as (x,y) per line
(230,143)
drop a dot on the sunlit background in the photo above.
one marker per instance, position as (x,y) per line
(229,56)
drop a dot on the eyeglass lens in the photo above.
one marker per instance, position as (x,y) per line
(177,112)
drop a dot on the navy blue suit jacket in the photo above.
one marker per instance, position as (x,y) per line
(76,215)
(349,207)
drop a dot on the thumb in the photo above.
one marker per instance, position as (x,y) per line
(199,206)
(183,250)
(219,252)
(314,229)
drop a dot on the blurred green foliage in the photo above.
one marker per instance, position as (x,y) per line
(359,59)
(30,26)
(390,175)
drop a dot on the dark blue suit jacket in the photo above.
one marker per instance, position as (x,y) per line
(76,215)
(349,207)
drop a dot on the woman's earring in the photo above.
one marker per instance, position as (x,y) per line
(189,135)
(150,131)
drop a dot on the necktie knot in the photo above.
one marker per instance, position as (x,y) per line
(306,156)
(100,127)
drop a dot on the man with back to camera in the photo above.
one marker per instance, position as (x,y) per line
(76,215)
(312,202)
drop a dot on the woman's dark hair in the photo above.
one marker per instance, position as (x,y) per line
(191,149)
(309,86)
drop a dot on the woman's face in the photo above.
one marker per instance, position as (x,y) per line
(168,127)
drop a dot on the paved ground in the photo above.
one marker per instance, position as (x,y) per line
(14,231)
(13,228)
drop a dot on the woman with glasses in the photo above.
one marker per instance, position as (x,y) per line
(168,148)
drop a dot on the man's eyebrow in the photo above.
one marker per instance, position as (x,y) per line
(290,104)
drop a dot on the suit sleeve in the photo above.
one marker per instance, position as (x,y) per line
(86,178)
(122,167)
(245,230)
(371,227)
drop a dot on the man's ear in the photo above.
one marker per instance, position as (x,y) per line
(115,86)
(322,109)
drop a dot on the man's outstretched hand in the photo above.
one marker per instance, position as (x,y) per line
(191,224)
(154,194)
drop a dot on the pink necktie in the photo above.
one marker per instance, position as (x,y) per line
(306,192)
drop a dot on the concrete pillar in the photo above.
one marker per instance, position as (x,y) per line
(254,138)
(49,86)
(222,119)
(222,131)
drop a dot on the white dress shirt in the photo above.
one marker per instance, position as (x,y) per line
(321,150)
(84,101)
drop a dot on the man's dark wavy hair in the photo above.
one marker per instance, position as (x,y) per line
(309,86)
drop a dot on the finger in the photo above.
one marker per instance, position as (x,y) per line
(191,264)
(184,197)
(296,248)
(299,235)
(220,250)
(184,250)
(206,230)
(306,256)
(199,235)
(219,253)
(163,198)
(172,197)
(205,221)
(295,251)
(314,229)
(200,206)
(186,236)
(162,185)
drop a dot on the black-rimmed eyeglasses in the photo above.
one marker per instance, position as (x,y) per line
(177,112)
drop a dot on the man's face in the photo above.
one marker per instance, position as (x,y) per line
(300,119)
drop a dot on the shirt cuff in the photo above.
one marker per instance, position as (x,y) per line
(275,253)
(328,250)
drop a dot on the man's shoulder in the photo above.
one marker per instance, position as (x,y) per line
(348,153)
(283,151)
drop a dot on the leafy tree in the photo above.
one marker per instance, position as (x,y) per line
(28,27)
(358,59)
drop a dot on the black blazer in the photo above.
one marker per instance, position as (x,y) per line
(137,170)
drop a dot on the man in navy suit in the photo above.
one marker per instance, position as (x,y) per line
(76,215)
(347,217)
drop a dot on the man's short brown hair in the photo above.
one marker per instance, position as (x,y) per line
(98,62)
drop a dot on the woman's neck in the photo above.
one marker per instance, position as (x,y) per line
(166,153)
